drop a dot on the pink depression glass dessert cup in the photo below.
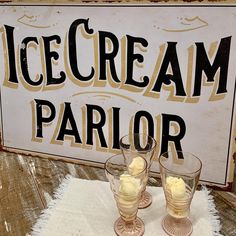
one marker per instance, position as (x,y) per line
(180,172)
(145,146)
(127,190)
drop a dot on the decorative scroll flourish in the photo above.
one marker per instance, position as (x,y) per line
(189,24)
(106,93)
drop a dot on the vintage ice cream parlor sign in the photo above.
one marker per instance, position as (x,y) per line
(75,78)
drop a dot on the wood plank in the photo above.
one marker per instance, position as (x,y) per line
(19,198)
(48,174)
(227,214)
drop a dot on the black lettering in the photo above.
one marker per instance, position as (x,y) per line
(49,55)
(24,62)
(72,131)
(170,58)
(150,133)
(108,57)
(203,64)
(73,51)
(131,57)
(11,53)
(116,127)
(40,120)
(166,137)
(95,126)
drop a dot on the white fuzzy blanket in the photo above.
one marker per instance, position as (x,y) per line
(87,208)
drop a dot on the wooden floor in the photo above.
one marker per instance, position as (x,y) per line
(27,185)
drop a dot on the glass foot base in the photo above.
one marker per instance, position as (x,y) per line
(177,227)
(145,201)
(129,229)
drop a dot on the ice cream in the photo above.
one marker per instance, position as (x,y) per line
(130,189)
(128,196)
(136,166)
(129,186)
(177,197)
(176,186)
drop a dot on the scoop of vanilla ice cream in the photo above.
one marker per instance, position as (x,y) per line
(176,186)
(128,197)
(136,166)
(129,186)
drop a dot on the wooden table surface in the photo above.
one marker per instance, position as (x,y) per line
(27,185)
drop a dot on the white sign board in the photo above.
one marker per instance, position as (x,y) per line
(76,78)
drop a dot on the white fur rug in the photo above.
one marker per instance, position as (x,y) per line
(87,208)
